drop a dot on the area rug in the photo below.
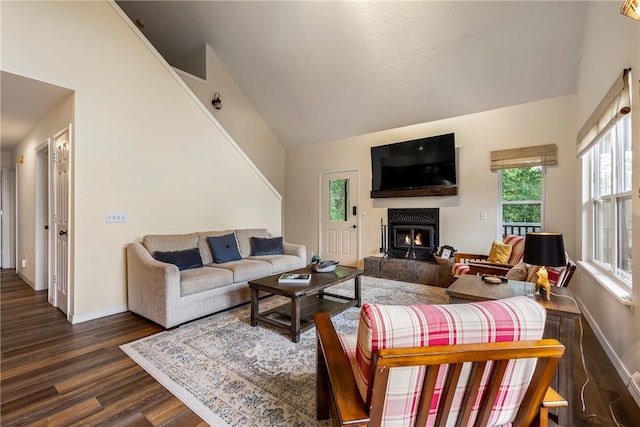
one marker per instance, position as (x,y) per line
(233,374)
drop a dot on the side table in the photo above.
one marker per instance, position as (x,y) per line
(562,312)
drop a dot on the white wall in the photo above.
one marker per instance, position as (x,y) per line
(141,145)
(545,122)
(611,44)
(240,119)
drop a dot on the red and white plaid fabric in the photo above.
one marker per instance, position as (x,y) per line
(387,326)
(517,247)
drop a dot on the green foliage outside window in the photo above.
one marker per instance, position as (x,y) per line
(338,200)
(522,185)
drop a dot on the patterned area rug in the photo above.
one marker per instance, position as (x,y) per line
(233,374)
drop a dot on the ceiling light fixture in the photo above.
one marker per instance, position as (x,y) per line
(630,9)
(217,102)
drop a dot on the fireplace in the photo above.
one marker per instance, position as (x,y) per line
(413,233)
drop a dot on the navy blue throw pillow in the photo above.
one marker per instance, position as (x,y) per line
(224,248)
(185,260)
(267,246)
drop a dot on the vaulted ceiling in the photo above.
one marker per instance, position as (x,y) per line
(321,71)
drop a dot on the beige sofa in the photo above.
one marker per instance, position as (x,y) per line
(168,296)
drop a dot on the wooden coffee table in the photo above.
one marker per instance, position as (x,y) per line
(562,312)
(305,299)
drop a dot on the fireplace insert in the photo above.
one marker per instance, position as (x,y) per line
(413,233)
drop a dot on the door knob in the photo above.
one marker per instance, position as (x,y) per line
(353,226)
(63,232)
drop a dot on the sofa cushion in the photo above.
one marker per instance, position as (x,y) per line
(203,279)
(169,242)
(518,272)
(395,326)
(244,236)
(500,252)
(224,248)
(266,246)
(184,260)
(517,247)
(246,269)
(280,263)
(203,244)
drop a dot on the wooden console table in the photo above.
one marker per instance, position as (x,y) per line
(562,312)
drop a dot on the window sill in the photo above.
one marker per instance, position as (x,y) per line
(620,292)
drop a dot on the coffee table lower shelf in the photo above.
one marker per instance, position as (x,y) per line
(308,305)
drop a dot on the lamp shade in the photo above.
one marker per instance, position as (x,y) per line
(545,249)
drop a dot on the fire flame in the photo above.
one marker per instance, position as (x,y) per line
(418,240)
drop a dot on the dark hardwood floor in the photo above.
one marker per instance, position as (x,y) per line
(57,374)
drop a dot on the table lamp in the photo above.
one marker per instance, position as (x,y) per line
(545,250)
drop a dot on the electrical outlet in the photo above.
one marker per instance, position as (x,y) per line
(483,215)
(24,263)
(112,217)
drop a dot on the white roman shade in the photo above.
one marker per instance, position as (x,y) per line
(525,157)
(615,104)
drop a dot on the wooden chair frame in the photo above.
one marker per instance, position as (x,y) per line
(338,395)
(478,266)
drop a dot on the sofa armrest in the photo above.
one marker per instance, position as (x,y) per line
(297,250)
(151,285)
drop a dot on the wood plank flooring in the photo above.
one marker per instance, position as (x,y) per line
(54,373)
(57,374)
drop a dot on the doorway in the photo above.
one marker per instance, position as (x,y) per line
(339,217)
(42,216)
(7,218)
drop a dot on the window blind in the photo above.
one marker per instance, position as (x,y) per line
(615,104)
(525,157)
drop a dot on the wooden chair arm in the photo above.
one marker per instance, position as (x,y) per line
(463,257)
(553,399)
(347,403)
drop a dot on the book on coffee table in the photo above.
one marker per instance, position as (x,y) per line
(294,278)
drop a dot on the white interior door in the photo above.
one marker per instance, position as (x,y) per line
(339,217)
(61,220)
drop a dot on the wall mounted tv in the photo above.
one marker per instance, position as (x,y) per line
(420,167)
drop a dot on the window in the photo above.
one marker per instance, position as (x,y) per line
(521,200)
(338,200)
(609,166)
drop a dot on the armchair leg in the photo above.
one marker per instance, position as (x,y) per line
(322,386)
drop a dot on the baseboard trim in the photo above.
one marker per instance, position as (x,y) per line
(625,376)
(92,315)
(27,280)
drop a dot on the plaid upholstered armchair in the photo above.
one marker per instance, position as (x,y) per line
(481,364)
(495,262)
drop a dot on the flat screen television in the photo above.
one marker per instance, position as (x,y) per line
(420,167)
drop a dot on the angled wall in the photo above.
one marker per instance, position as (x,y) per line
(141,143)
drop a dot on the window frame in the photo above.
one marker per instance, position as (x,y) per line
(502,202)
(614,197)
